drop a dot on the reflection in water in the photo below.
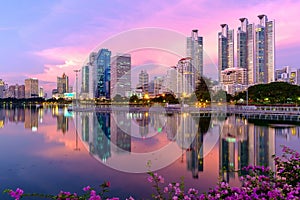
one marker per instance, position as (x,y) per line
(243,144)
(109,136)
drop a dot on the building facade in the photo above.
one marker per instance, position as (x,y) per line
(186,83)
(265,46)
(143,81)
(195,52)
(225,49)
(2,89)
(121,75)
(62,84)
(31,88)
(101,73)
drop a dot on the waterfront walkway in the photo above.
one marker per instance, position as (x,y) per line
(250,112)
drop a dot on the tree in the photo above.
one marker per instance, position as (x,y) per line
(275,92)
(134,99)
(202,89)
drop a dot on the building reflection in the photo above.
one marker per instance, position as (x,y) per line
(121,131)
(242,144)
(143,120)
(62,118)
(100,140)
(31,119)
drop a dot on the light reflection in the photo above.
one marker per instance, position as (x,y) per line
(242,142)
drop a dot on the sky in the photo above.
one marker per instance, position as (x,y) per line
(43,39)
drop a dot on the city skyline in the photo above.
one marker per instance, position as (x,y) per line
(56,36)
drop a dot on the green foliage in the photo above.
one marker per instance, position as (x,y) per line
(273,93)
(202,89)
(134,99)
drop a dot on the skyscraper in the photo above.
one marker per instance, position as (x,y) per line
(195,52)
(121,75)
(264,46)
(171,80)
(31,88)
(85,79)
(62,84)
(186,77)
(144,81)
(2,86)
(225,49)
(102,74)
(242,44)
(255,49)
(251,64)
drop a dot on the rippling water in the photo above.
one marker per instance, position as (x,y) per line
(50,149)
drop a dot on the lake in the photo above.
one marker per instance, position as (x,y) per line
(46,150)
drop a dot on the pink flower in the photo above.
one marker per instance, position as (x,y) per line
(16,194)
(107,184)
(150,179)
(87,188)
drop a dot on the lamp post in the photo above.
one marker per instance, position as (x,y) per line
(76,118)
(76,97)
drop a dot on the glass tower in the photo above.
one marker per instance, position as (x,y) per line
(225,49)
(121,75)
(195,52)
(102,74)
(265,44)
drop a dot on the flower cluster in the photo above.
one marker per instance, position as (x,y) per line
(259,183)
(16,194)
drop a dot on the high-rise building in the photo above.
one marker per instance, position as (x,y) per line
(2,87)
(251,64)
(144,81)
(62,84)
(85,79)
(225,48)
(171,80)
(31,88)
(41,92)
(242,44)
(195,52)
(21,91)
(121,75)
(186,77)
(101,73)
(265,46)
(255,50)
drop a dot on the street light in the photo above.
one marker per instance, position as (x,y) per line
(76,100)
(76,97)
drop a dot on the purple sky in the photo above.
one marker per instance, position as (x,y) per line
(43,39)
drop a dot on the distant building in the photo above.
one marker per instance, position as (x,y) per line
(31,88)
(62,84)
(85,79)
(225,49)
(265,50)
(41,92)
(171,80)
(283,74)
(143,81)
(121,75)
(2,89)
(21,91)
(286,74)
(195,51)
(186,77)
(101,73)
(234,79)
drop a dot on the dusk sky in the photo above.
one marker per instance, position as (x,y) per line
(45,38)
